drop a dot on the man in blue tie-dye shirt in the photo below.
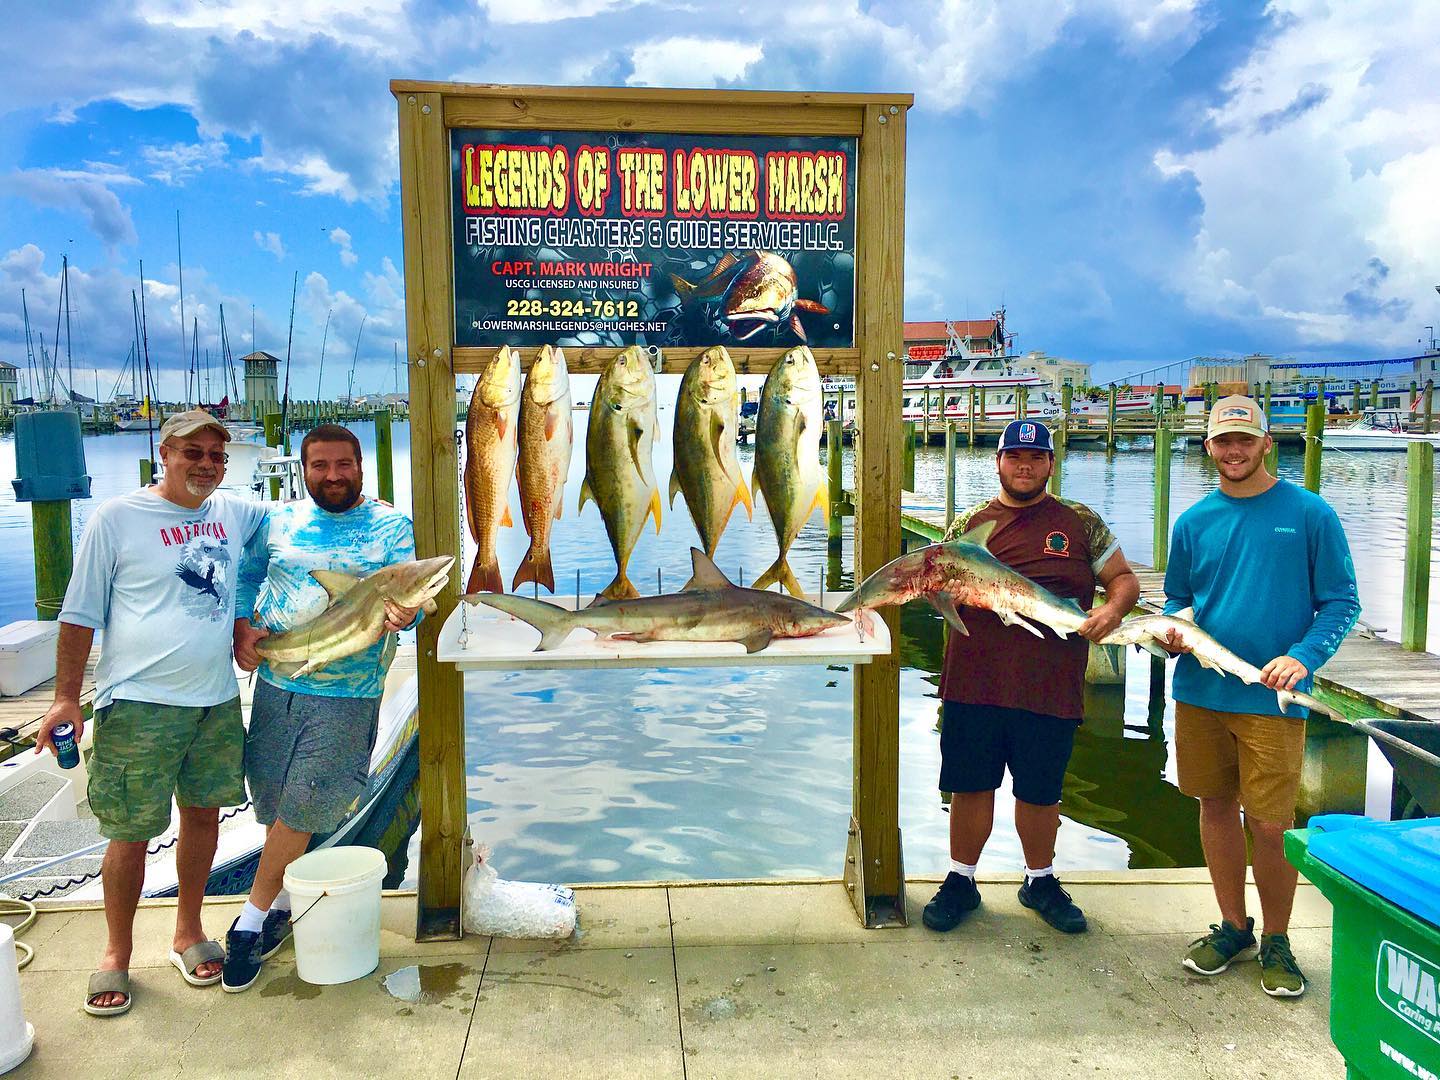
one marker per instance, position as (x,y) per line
(307,753)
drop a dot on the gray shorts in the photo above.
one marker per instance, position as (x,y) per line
(307,758)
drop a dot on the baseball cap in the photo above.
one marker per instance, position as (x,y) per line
(1236,413)
(183,424)
(1026,435)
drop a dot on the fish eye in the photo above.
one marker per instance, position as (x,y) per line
(615,405)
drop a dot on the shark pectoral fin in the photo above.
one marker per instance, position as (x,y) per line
(506,521)
(758,640)
(335,582)
(1188,614)
(585,495)
(674,486)
(980,535)
(945,604)
(1206,662)
(290,669)
(655,507)
(1010,618)
(704,574)
(1153,649)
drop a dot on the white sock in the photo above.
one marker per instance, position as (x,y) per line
(963,869)
(1044,871)
(281,901)
(251,919)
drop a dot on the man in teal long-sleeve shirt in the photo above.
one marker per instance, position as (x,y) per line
(1265,567)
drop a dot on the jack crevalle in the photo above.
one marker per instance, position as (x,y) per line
(787,456)
(706,469)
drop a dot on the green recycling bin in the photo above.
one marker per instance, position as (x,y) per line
(1383,881)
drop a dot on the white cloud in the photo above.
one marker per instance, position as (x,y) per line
(1319,180)
(84,192)
(178,162)
(341,239)
(692,61)
(270,242)
(548,11)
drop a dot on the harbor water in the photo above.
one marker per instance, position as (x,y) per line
(746,772)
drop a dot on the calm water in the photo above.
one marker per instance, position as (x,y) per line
(746,772)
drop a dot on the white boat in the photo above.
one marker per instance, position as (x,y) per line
(1377,429)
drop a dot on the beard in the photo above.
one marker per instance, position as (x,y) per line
(1020,495)
(335,498)
(201,489)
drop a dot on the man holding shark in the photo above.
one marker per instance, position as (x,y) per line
(1264,566)
(313,720)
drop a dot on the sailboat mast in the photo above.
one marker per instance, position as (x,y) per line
(180,262)
(324,337)
(350,387)
(151,397)
(289,341)
(69,355)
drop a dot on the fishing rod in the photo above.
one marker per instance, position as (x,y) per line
(152,401)
(323,339)
(289,341)
(350,387)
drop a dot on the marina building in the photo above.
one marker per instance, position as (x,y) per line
(9,382)
(262,391)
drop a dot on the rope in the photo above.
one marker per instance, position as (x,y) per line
(10,906)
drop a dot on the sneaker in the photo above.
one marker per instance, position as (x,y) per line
(1280,976)
(1045,896)
(274,933)
(956,898)
(242,960)
(1212,954)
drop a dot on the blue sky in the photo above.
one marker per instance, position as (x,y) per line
(1136,182)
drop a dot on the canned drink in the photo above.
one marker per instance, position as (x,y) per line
(66,752)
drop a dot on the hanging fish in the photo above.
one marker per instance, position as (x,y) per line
(490,437)
(707,468)
(546,434)
(787,456)
(619,475)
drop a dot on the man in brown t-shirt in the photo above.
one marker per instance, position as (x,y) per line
(1013,699)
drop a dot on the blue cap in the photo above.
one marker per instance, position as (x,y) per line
(1026,435)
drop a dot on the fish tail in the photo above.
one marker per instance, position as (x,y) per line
(553,622)
(535,567)
(621,588)
(742,496)
(485,576)
(780,571)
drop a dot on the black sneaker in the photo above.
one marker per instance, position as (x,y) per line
(274,933)
(242,960)
(956,898)
(1044,895)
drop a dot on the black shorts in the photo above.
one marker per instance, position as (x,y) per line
(978,742)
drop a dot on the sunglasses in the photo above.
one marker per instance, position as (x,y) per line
(194,455)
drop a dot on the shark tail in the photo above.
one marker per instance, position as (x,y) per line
(553,622)
(780,571)
(485,576)
(535,567)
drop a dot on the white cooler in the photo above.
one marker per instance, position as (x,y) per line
(27,655)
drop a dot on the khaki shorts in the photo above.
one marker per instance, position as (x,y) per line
(1251,757)
(146,754)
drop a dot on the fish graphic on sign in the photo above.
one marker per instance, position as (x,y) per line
(754,291)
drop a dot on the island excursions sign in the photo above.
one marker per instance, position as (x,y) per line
(613,239)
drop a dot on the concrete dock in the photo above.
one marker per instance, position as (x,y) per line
(694,981)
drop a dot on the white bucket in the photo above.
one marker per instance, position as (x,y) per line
(335,898)
(16,1036)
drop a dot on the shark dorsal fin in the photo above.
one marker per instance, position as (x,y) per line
(1188,614)
(979,535)
(335,582)
(705,574)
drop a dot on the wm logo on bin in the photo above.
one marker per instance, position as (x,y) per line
(1407,984)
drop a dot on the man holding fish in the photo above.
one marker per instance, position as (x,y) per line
(1013,693)
(1265,567)
(316,708)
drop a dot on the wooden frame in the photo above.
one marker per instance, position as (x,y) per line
(874,871)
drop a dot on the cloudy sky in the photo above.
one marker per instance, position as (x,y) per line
(1136,182)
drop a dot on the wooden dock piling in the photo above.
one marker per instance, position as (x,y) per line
(834,477)
(384,457)
(949,472)
(1110,420)
(907,461)
(1429,403)
(1314,445)
(272,438)
(970,420)
(54,556)
(1162,498)
(1419,517)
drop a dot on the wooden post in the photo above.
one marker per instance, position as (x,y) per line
(147,472)
(1429,403)
(434,486)
(1067,397)
(907,482)
(384,459)
(983,395)
(272,438)
(949,472)
(970,420)
(1419,516)
(834,479)
(1375,393)
(1022,402)
(1110,420)
(1356,393)
(54,558)
(926,435)
(1272,458)
(1314,434)
(877,878)
(1412,401)
(1162,497)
